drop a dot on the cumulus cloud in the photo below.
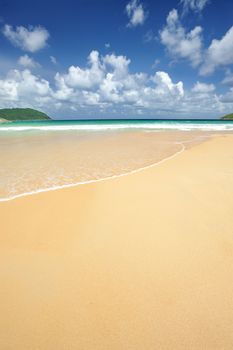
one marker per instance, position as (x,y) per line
(30,39)
(228,79)
(106,83)
(203,88)
(136,13)
(27,62)
(24,88)
(104,80)
(117,64)
(179,43)
(155,94)
(63,92)
(8,90)
(193,5)
(219,53)
(84,78)
(228,97)
(165,85)
(182,44)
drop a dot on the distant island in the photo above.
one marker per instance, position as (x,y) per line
(228,117)
(14,114)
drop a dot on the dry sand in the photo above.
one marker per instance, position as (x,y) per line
(139,262)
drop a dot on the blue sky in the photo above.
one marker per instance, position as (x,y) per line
(118,59)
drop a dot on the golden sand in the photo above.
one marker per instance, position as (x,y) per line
(139,262)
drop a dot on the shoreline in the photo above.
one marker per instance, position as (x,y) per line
(94,181)
(200,138)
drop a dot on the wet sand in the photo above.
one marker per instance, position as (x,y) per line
(31,162)
(143,261)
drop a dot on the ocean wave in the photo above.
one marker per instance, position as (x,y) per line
(183,126)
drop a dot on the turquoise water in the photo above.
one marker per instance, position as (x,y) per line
(99,125)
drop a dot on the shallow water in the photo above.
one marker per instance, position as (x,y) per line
(39,156)
(103,125)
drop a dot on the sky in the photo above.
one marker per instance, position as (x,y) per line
(117,59)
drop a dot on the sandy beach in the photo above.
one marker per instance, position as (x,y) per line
(140,262)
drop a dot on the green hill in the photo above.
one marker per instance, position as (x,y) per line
(228,117)
(14,114)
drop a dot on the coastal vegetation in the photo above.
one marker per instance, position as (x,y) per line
(228,117)
(14,114)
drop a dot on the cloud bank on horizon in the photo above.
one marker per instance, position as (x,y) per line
(189,74)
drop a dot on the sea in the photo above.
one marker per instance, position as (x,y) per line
(126,124)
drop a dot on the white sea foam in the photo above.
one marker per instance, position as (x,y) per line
(183,126)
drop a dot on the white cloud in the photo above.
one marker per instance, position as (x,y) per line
(136,13)
(228,97)
(194,5)
(53,59)
(219,53)
(62,92)
(116,85)
(27,62)
(118,89)
(107,45)
(228,79)
(84,78)
(117,64)
(165,85)
(29,39)
(29,84)
(179,43)
(203,88)
(189,45)
(21,88)
(8,90)
(106,84)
